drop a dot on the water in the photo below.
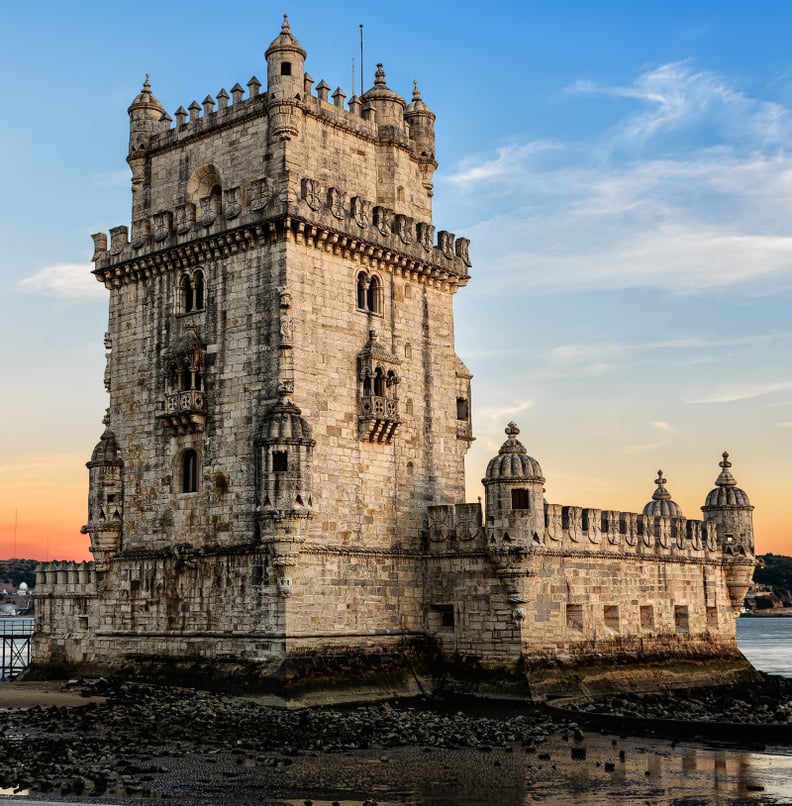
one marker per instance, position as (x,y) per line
(767,643)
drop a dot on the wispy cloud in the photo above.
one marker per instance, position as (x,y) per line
(619,351)
(619,212)
(735,392)
(72,280)
(662,431)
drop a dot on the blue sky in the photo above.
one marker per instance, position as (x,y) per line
(623,170)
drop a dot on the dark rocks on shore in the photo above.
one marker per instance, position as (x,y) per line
(119,747)
(768,703)
(128,745)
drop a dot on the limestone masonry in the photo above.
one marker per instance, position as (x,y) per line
(279,489)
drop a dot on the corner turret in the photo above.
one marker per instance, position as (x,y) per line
(285,486)
(145,113)
(514,494)
(105,498)
(729,509)
(421,121)
(285,65)
(285,83)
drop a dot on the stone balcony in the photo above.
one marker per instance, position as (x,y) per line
(185,412)
(379,418)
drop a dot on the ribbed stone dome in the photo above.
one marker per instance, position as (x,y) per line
(661,504)
(512,461)
(106,451)
(381,91)
(284,423)
(726,493)
(145,99)
(417,105)
(285,40)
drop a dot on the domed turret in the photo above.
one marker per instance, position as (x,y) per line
(285,487)
(514,491)
(512,462)
(388,105)
(145,113)
(105,498)
(421,120)
(106,452)
(285,447)
(285,64)
(729,508)
(661,504)
(726,492)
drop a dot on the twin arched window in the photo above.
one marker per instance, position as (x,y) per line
(369,293)
(192,292)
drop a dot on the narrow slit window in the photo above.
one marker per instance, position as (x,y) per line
(190,471)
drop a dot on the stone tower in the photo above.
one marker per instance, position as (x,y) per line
(281,370)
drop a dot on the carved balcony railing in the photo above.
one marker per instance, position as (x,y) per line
(185,412)
(379,418)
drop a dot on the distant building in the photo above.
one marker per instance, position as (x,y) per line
(280,483)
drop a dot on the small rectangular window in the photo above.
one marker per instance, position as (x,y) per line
(521,499)
(440,617)
(712,618)
(285,68)
(681,619)
(280,461)
(574,617)
(647,617)
(462,408)
(611,616)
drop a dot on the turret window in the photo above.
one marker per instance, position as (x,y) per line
(521,499)
(280,461)
(286,68)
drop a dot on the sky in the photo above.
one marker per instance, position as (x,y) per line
(623,171)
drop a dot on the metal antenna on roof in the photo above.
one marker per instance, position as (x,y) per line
(361,60)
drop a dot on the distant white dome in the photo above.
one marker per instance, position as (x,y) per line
(23,586)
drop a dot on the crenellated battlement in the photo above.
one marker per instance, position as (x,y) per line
(325,216)
(578,530)
(65,577)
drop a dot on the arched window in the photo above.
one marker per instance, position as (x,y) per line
(379,383)
(198,290)
(189,471)
(186,289)
(374,295)
(362,286)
